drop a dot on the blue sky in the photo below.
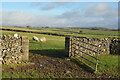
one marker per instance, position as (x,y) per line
(34,7)
(64,14)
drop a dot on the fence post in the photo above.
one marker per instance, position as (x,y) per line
(25,48)
(97,58)
(68,46)
(71,46)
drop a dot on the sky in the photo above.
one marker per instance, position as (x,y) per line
(60,14)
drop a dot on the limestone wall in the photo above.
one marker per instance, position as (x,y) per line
(76,46)
(14,50)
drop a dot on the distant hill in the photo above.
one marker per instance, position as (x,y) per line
(99,28)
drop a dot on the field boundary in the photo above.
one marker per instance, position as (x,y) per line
(79,48)
(88,49)
(48,33)
(14,49)
(35,32)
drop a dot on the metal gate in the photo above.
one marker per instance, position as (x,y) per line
(82,49)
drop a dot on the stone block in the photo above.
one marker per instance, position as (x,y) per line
(13,49)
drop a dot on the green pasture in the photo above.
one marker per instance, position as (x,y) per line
(68,31)
(107,63)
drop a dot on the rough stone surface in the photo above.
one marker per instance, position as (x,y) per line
(77,46)
(12,49)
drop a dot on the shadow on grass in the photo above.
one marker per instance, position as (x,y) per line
(58,53)
(82,65)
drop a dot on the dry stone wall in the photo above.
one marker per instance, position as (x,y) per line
(14,50)
(76,46)
(115,46)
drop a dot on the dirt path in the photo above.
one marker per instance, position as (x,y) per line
(57,67)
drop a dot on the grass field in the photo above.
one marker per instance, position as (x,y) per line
(54,48)
(107,64)
(69,31)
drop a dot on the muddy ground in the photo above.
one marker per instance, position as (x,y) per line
(55,67)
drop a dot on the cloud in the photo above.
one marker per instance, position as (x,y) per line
(43,6)
(51,5)
(48,7)
(20,18)
(96,10)
(99,15)
(100,10)
(35,4)
(71,14)
(0,17)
